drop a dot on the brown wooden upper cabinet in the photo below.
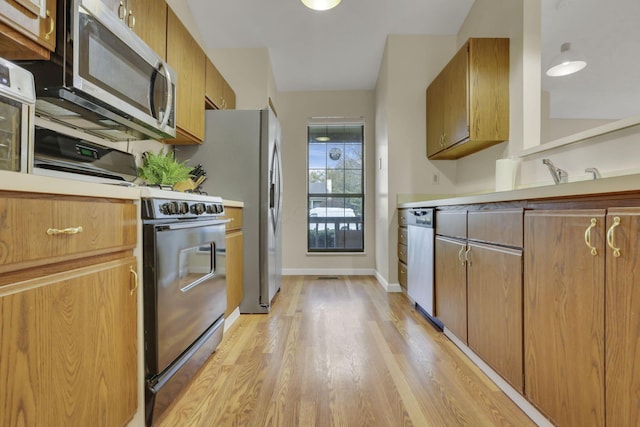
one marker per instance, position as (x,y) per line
(218,93)
(468,102)
(147,18)
(27,28)
(188,60)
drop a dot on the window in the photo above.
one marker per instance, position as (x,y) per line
(335,191)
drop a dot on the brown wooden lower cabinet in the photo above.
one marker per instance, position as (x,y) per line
(234,250)
(451,285)
(564,291)
(68,354)
(559,319)
(622,318)
(494,290)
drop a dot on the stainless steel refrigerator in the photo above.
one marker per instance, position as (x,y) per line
(241,154)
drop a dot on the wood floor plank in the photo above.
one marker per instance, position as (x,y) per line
(336,353)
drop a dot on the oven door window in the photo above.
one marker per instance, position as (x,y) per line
(10,134)
(195,266)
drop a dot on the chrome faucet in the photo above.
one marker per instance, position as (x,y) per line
(594,171)
(559,175)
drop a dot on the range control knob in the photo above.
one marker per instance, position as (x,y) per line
(164,208)
(211,209)
(198,208)
(184,208)
(171,208)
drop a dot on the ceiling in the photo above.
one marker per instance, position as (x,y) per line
(339,49)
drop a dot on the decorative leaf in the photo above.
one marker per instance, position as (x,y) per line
(163,169)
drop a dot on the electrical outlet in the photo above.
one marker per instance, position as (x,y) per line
(436,178)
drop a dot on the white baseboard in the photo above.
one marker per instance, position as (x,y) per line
(388,287)
(328,272)
(235,315)
(511,392)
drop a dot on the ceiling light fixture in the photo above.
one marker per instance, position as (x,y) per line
(323,139)
(321,4)
(567,62)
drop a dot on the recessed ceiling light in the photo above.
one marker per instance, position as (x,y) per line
(321,4)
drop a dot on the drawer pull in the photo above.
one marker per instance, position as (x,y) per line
(122,11)
(131,20)
(587,237)
(52,26)
(135,280)
(612,245)
(70,230)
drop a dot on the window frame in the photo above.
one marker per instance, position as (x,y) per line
(359,221)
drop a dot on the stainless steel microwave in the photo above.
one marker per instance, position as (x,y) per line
(103,78)
(17,99)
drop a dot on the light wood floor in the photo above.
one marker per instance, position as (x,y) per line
(340,353)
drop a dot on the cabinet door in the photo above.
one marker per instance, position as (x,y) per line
(451,286)
(435,116)
(456,98)
(564,315)
(68,354)
(214,84)
(623,318)
(186,57)
(26,33)
(494,286)
(235,277)
(229,96)
(150,23)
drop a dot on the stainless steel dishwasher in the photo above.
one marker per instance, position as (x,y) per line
(420,262)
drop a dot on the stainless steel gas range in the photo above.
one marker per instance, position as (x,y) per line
(184,263)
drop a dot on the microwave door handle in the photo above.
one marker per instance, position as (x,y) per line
(167,110)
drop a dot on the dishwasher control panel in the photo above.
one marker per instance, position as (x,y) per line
(422,217)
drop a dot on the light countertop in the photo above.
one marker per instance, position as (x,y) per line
(618,184)
(28,183)
(23,182)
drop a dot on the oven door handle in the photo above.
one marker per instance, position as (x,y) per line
(193,224)
(197,282)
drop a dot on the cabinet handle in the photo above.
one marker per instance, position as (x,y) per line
(460,256)
(442,140)
(466,256)
(135,280)
(122,11)
(587,237)
(612,245)
(131,20)
(52,26)
(70,230)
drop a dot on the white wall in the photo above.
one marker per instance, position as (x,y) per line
(294,109)
(409,64)
(498,18)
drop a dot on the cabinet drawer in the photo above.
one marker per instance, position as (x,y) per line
(86,227)
(402,274)
(451,223)
(501,227)
(235,215)
(403,217)
(402,252)
(402,235)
